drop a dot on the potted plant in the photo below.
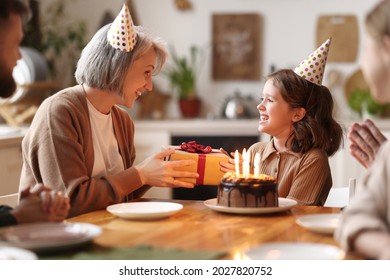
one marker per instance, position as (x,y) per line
(361,101)
(182,74)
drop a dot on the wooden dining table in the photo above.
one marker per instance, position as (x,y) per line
(197,227)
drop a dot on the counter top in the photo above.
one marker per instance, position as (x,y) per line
(232,127)
(9,136)
(200,126)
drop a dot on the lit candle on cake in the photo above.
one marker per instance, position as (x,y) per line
(257,165)
(237,163)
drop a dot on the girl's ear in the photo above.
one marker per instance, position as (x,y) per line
(299,114)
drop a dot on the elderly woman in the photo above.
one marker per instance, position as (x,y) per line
(81,143)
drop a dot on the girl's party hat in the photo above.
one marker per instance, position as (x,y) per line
(313,67)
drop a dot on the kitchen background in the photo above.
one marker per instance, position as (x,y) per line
(252,38)
(287,32)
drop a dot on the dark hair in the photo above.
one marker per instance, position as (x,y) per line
(317,129)
(8,7)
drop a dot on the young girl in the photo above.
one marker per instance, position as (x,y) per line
(296,110)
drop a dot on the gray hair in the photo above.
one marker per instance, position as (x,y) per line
(103,67)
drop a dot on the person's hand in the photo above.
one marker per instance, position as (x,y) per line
(230,165)
(52,201)
(41,205)
(366,139)
(155,171)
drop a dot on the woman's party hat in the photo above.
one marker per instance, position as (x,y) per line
(313,67)
(122,35)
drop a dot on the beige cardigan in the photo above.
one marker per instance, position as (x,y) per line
(369,209)
(58,152)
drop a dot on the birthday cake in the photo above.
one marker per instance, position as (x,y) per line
(247,191)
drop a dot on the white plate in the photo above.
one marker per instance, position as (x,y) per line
(284,205)
(14,253)
(295,251)
(321,223)
(48,236)
(144,210)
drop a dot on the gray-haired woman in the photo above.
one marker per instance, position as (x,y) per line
(81,143)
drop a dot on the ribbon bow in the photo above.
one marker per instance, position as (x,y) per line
(193,147)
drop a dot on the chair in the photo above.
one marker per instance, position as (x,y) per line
(340,196)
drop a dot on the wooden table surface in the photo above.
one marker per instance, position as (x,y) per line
(196,227)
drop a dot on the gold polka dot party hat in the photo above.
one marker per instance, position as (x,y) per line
(313,67)
(122,35)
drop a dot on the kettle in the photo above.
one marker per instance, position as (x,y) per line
(238,107)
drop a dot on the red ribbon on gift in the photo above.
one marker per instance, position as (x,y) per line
(201,169)
(193,147)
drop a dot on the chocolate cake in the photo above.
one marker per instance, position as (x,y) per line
(248,192)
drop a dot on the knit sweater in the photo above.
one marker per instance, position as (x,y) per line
(58,152)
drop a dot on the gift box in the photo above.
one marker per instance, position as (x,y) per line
(206,165)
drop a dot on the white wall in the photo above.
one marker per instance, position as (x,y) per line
(288,36)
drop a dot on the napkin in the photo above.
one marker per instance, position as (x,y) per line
(140,252)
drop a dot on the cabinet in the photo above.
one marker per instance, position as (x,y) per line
(10,167)
(344,166)
(148,142)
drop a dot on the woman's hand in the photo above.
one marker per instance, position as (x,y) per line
(155,171)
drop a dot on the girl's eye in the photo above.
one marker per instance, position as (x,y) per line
(147,74)
(268,99)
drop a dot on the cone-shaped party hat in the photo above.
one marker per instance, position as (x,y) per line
(122,35)
(313,67)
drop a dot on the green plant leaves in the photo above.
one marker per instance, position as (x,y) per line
(361,100)
(182,73)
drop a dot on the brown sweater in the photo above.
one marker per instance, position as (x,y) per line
(58,152)
(305,178)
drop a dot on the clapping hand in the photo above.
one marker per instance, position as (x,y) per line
(366,139)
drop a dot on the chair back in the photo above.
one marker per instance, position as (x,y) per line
(340,197)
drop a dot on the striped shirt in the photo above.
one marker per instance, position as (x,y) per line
(305,178)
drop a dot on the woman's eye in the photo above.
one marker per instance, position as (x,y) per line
(147,74)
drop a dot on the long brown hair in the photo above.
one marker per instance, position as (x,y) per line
(378,20)
(317,129)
